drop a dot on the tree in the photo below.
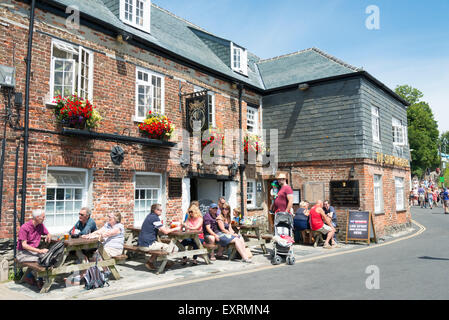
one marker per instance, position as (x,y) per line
(423,131)
(444,142)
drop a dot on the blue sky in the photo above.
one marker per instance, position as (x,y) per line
(411,46)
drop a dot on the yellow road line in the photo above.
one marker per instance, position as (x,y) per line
(421,227)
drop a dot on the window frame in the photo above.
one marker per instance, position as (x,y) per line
(400,200)
(256,119)
(150,74)
(243,59)
(252,203)
(375,123)
(380,208)
(77,65)
(160,199)
(146,14)
(84,197)
(398,128)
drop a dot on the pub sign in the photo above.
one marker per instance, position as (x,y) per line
(197,111)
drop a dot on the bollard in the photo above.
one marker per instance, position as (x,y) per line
(4,268)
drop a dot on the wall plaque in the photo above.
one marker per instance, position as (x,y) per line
(345,193)
(175,187)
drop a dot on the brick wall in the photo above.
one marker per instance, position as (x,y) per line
(326,171)
(114,97)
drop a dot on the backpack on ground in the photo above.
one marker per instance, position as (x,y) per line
(94,278)
(53,256)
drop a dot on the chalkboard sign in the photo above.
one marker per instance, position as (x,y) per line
(359,225)
(204,205)
(345,193)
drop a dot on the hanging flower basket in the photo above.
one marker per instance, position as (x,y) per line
(253,143)
(75,112)
(216,140)
(157,126)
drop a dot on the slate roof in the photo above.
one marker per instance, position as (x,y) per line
(184,39)
(301,66)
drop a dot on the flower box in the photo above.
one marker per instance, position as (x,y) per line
(76,112)
(157,126)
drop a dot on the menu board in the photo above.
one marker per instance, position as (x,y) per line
(345,193)
(359,226)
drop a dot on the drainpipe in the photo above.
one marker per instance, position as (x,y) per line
(242,165)
(27,106)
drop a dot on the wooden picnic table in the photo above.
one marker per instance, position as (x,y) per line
(176,237)
(251,235)
(66,267)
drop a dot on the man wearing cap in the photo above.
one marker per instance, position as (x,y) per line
(210,227)
(284,200)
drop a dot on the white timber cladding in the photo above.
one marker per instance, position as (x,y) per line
(148,190)
(71,70)
(239,59)
(136,13)
(66,194)
(150,93)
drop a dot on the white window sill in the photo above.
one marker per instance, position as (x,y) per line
(138,119)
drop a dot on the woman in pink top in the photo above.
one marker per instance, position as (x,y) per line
(194,222)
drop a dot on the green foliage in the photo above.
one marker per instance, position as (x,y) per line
(423,131)
(444,142)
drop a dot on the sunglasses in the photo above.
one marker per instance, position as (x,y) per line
(190,211)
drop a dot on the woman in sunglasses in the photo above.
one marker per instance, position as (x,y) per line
(194,222)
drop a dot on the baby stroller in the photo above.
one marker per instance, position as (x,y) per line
(282,240)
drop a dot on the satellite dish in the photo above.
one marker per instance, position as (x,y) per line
(117,155)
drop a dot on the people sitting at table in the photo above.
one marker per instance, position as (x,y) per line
(210,228)
(320,222)
(148,236)
(29,240)
(194,222)
(330,212)
(301,221)
(237,216)
(227,235)
(112,235)
(221,202)
(85,224)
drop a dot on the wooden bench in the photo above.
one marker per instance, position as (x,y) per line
(41,272)
(144,251)
(120,259)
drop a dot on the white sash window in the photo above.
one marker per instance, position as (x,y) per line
(66,195)
(149,93)
(71,70)
(148,190)
(399,184)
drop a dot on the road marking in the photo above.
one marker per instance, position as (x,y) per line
(171,285)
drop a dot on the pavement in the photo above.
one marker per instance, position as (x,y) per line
(134,275)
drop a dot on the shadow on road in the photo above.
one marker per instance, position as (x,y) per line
(433,258)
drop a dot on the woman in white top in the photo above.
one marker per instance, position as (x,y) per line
(112,235)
